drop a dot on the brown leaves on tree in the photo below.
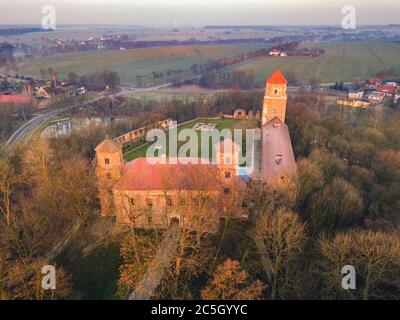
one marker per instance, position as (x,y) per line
(230,282)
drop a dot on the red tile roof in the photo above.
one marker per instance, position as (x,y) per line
(390,89)
(277,78)
(143,174)
(374,81)
(15,99)
(109,146)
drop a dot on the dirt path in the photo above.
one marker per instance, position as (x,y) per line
(155,272)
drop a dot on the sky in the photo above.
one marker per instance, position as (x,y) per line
(163,13)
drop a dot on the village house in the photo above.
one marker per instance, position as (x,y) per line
(48,95)
(356,95)
(372,83)
(15,99)
(277,53)
(353,103)
(387,90)
(375,97)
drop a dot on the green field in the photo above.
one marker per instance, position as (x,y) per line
(138,152)
(162,95)
(340,61)
(136,62)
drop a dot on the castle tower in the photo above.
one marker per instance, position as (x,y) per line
(108,170)
(275,98)
(227,152)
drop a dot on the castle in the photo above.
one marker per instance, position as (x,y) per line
(154,195)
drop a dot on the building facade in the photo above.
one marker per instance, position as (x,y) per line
(157,192)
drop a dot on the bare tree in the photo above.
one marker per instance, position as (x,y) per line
(376,257)
(9,179)
(282,238)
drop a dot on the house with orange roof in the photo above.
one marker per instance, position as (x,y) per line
(13,99)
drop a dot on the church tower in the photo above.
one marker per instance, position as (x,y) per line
(275,98)
(108,170)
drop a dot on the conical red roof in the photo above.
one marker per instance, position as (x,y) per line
(277,78)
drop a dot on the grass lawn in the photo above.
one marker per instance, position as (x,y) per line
(134,62)
(140,151)
(341,61)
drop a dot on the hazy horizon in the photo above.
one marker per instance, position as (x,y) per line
(158,13)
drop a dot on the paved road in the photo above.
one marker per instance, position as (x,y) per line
(28,128)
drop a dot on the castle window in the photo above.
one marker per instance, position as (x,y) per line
(227,191)
(149,203)
(276,91)
(182,201)
(132,202)
(169,201)
(108,175)
(227,174)
(107,161)
(149,219)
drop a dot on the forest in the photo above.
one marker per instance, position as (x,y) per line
(341,209)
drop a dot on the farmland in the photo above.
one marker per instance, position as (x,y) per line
(341,61)
(136,62)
